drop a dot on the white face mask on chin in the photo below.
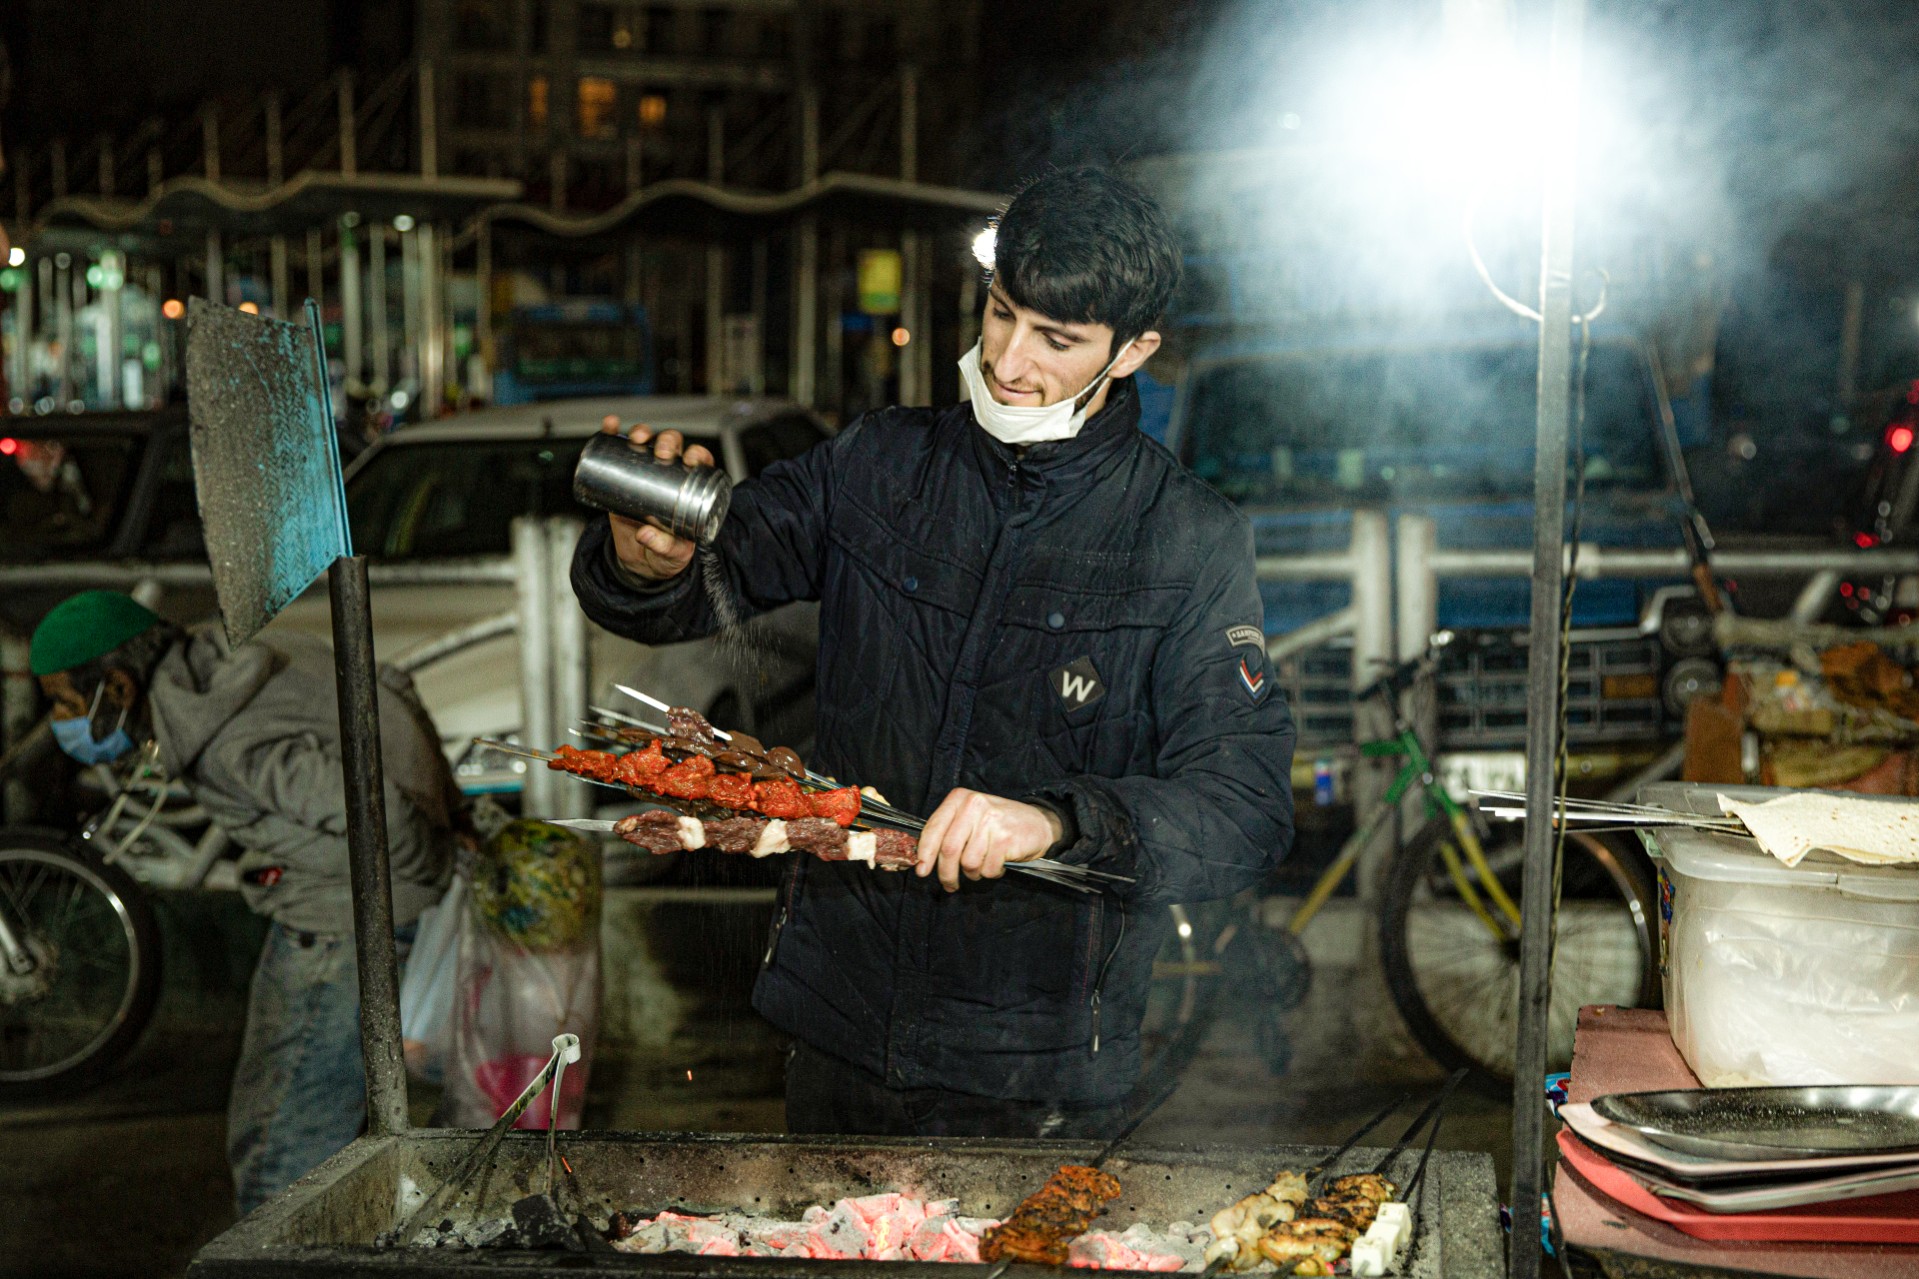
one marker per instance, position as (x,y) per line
(1021,424)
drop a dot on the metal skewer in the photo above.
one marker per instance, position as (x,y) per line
(872,811)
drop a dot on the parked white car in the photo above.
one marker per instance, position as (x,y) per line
(449,491)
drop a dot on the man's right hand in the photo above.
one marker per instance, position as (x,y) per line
(646,549)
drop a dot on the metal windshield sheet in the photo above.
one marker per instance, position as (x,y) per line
(266,462)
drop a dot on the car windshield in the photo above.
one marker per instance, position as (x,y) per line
(61,497)
(1395,424)
(460,497)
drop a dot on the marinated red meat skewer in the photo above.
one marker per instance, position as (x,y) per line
(660,832)
(696,778)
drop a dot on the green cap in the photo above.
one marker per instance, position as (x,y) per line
(89,625)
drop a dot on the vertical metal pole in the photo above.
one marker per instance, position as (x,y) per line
(569,667)
(22,377)
(912,286)
(483,303)
(1372,569)
(1416,585)
(969,310)
(1851,329)
(316,266)
(367,848)
(432,322)
(210,142)
(409,305)
(352,351)
(107,329)
(63,324)
(532,566)
(17,700)
(349,143)
(804,382)
(216,269)
(382,376)
(716,262)
(1542,682)
(429,104)
(276,144)
(832,392)
(1416,606)
(282,286)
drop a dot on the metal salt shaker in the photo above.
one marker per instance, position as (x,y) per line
(687,501)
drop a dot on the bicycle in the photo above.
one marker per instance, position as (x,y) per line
(79,948)
(1448,921)
(79,961)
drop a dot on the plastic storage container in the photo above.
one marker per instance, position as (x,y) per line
(1778,975)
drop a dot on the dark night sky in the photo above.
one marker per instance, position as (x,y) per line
(80,65)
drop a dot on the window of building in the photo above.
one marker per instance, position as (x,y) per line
(660,22)
(599,104)
(882,39)
(652,110)
(831,36)
(536,102)
(597,23)
(716,31)
(536,28)
(482,101)
(481,24)
(776,35)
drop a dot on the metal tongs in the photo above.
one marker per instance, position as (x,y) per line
(566,1050)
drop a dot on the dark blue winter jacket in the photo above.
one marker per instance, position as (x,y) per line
(1076,624)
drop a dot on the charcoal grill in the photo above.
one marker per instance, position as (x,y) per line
(325,1225)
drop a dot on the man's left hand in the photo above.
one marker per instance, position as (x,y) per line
(979,835)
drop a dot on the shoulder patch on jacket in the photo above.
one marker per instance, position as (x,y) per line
(1254,681)
(1237,635)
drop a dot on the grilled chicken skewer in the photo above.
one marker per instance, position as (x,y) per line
(1237,1230)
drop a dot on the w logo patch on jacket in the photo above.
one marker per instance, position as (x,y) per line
(1078,684)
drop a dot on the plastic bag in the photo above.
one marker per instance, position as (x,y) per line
(426,991)
(528,969)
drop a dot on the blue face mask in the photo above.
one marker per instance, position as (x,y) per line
(75,736)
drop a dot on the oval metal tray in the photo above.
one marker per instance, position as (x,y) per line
(1772,1123)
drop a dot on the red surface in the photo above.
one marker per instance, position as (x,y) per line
(1630,1050)
(1877,1219)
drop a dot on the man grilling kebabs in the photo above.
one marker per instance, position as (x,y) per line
(1041,630)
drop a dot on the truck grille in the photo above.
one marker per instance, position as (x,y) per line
(1612,692)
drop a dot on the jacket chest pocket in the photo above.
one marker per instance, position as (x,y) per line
(893,610)
(1073,674)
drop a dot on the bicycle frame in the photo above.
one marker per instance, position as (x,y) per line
(1416,769)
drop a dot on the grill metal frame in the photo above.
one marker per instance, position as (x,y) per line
(324,1225)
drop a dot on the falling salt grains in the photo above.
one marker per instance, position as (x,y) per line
(739,641)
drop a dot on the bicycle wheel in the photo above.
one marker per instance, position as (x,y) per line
(1452,958)
(89,970)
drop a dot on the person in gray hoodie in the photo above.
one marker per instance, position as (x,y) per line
(254,735)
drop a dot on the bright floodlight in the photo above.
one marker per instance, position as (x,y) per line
(983,246)
(16,256)
(403,223)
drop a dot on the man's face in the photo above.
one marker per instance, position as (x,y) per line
(1030,360)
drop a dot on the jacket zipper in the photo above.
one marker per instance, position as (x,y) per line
(1099,982)
(779,920)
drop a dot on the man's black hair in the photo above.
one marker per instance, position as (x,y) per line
(1083,247)
(138,657)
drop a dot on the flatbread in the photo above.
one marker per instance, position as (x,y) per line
(1875,832)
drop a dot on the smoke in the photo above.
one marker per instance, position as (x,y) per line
(1719,137)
